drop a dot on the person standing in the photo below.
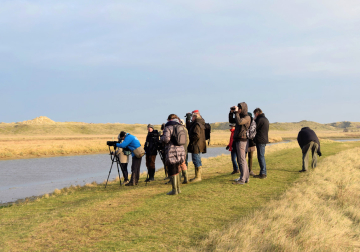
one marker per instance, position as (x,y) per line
(232,148)
(150,147)
(175,154)
(251,150)
(123,155)
(261,139)
(184,164)
(308,140)
(197,143)
(239,116)
(133,144)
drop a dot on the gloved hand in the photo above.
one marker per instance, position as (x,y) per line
(188,116)
(227,147)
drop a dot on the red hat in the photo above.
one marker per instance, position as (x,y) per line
(195,111)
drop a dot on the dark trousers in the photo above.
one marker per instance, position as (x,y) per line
(150,164)
(135,170)
(250,160)
(234,160)
(260,148)
(124,170)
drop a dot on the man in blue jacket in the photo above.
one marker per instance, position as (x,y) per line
(132,143)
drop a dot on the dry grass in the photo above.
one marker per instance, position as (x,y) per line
(320,213)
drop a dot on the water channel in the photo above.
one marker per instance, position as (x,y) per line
(23,178)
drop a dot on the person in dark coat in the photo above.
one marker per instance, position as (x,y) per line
(239,116)
(150,147)
(308,140)
(261,139)
(197,144)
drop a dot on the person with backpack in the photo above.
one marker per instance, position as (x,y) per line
(251,144)
(261,139)
(197,143)
(184,164)
(150,147)
(137,151)
(239,116)
(174,138)
(232,148)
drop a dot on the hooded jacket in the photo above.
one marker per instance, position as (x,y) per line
(175,155)
(307,135)
(262,129)
(130,142)
(197,137)
(242,121)
(151,143)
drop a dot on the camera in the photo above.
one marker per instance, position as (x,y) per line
(111,143)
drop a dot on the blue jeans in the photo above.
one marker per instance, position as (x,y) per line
(260,148)
(196,159)
(234,160)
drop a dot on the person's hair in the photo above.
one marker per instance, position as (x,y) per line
(258,110)
(172,116)
(122,134)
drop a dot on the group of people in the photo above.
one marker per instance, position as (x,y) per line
(180,137)
(174,155)
(241,144)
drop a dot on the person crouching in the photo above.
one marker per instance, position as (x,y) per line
(175,155)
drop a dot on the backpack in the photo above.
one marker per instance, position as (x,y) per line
(251,132)
(207,132)
(178,136)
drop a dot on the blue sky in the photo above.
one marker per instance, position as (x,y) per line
(138,61)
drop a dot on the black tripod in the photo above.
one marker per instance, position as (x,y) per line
(115,159)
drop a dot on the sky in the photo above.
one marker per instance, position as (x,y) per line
(132,61)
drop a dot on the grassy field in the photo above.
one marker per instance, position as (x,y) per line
(144,218)
(320,213)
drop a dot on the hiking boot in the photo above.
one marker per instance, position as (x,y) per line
(303,171)
(197,175)
(251,173)
(260,176)
(237,179)
(184,173)
(238,183)
(234,172)
(174,191)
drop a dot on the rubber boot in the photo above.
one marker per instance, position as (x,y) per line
(178,183)
(196,171)
(197,175)
(184,173)
(173,180)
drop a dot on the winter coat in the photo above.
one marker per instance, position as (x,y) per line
(230,145)
(187,139)
(262,129)
(131,142)
(197,137)
(175,155)
(242,121)
(305,136)
(151,143)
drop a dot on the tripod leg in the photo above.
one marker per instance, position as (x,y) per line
(109,173)
(117,165)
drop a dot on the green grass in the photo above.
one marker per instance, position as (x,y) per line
(144,218)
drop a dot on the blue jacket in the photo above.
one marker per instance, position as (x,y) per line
(130,142)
